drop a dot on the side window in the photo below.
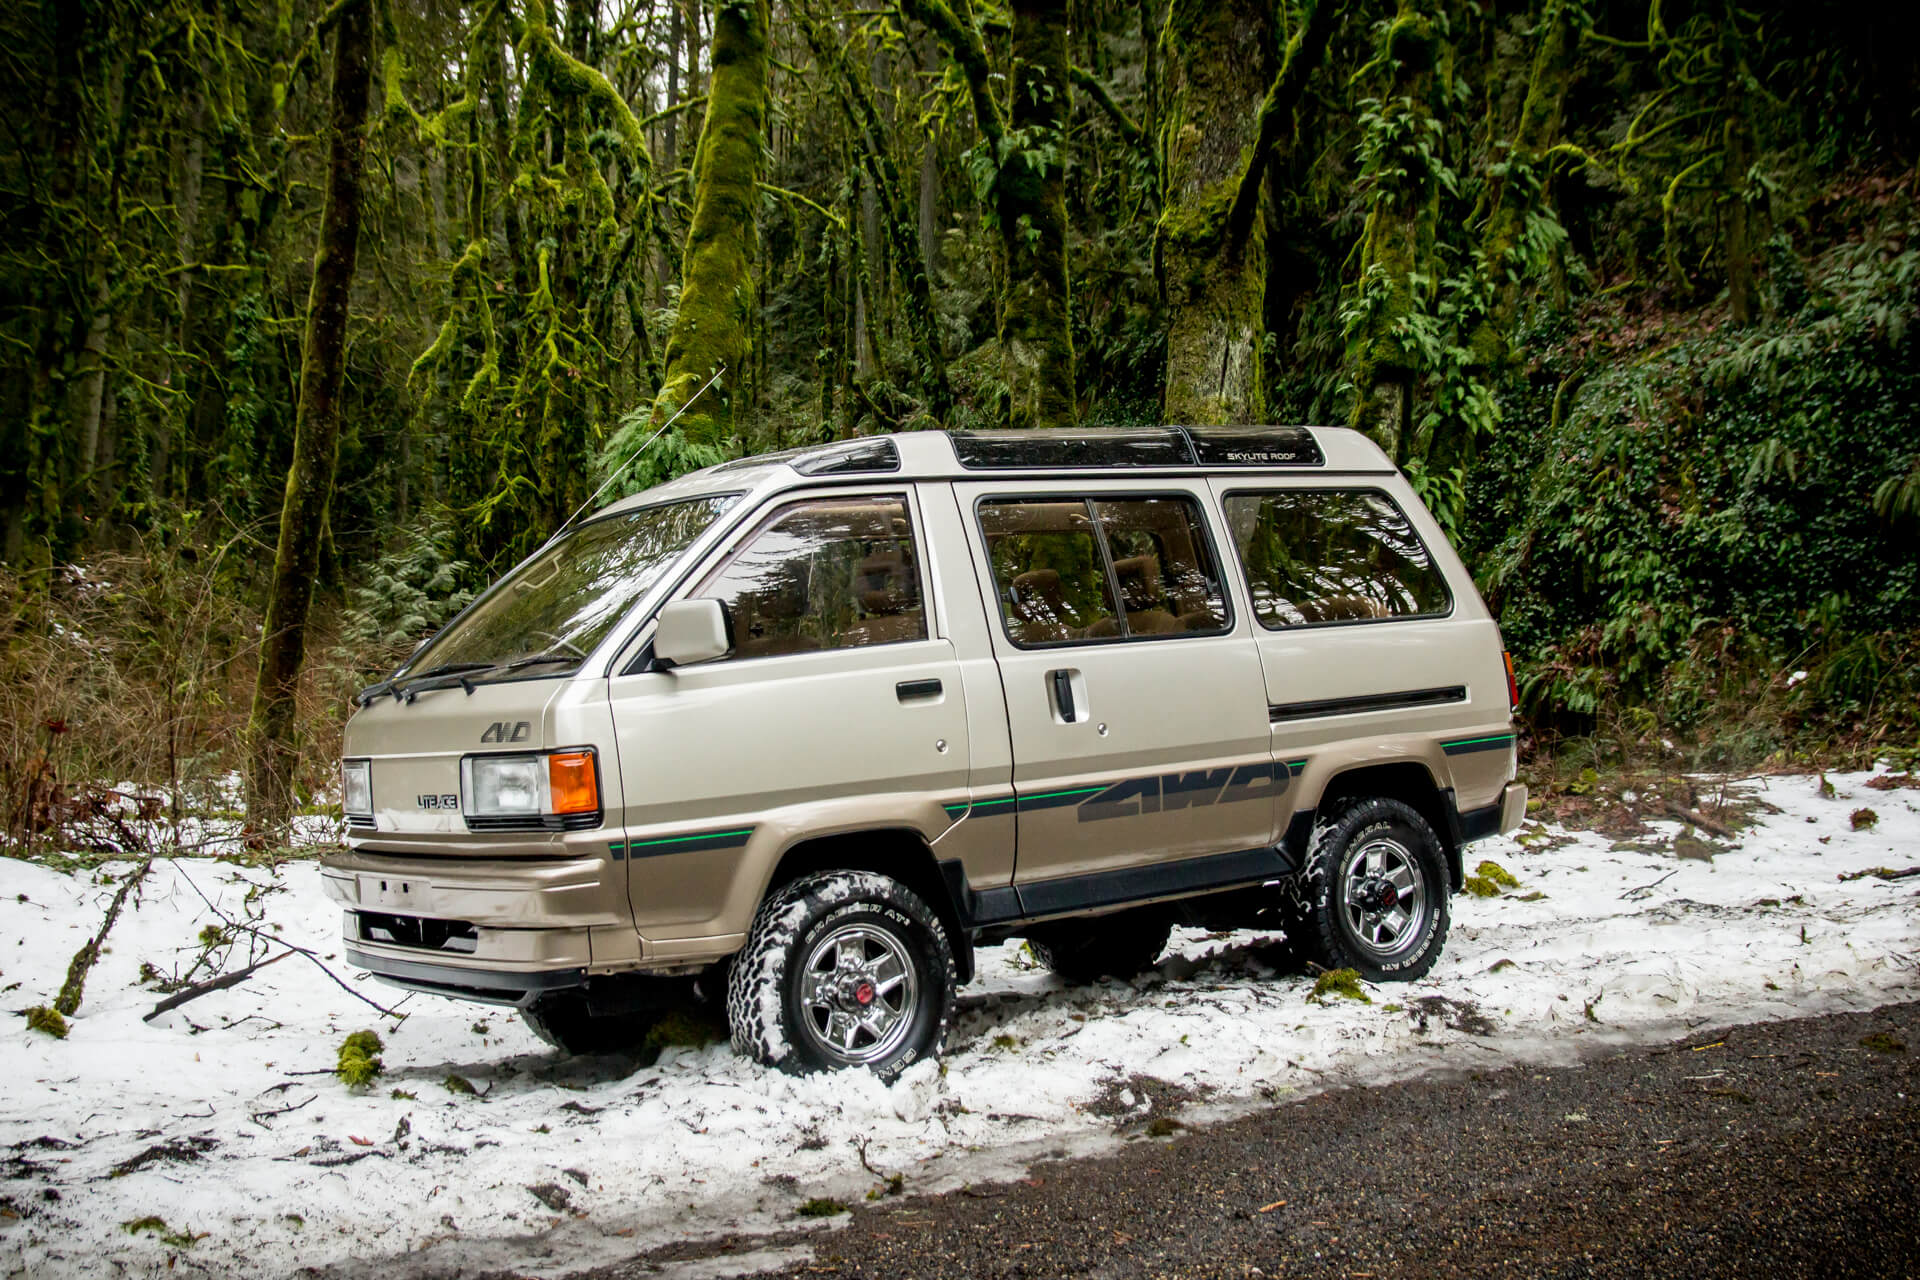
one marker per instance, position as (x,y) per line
(829,574)
(1051,580)
(1316,556)
(1057,562)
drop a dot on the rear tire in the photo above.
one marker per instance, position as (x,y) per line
(562,1019)
(1375,886)
(1123,945)
(842,969)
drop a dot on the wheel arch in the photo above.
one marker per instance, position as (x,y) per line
(900,853)
(1409,781)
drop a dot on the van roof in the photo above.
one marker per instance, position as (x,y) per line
(958,455)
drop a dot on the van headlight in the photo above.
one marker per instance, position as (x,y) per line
(549,786)
(356,788)
(505,786)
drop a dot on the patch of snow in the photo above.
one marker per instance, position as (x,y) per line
(226,1126)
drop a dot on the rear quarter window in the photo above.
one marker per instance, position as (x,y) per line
(1318,556)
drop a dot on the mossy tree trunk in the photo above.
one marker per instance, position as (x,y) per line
(1030,201)
(1519,187)
(712,332)
(1401,162)
(303,513)
(1022,155)
(1228,114)
(907,243)
(1738,133)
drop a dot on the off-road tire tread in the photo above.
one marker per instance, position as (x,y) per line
(770,941)
(1321,939)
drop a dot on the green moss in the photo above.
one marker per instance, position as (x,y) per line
(41,1018)
(359,1060)
(1498,874)
(1004,1042)
(1883,1042)
(1167,1126)
(1865,819)
(149,1223)
(682,1030)
(460,1084)
(823,1207)
(1338,982)
(1480,887)
(712,329)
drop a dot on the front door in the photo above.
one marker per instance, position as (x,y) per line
(1134,693)
(840,690)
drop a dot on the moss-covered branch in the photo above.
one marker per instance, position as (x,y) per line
(1130,131)
(1304,52)
(712,332)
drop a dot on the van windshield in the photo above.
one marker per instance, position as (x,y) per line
(547,615)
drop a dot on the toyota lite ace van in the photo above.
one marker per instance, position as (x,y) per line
(797,732)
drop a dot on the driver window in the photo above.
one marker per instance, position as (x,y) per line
(827,574)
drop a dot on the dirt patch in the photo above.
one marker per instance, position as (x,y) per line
(1455,1015)
(1121,1099)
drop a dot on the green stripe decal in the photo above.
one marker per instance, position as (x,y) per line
(1050,795)
(1469,742)
(704,835)
(1296,765)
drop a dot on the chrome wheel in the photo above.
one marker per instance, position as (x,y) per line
(858,994)
(1383,897)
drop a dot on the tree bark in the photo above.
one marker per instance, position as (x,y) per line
(1030,197)
(712,331)
(1225,122)
(273,748)
(1396,246)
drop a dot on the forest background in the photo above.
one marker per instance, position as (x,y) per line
(1626,288)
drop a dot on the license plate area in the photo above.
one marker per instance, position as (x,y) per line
(397,893)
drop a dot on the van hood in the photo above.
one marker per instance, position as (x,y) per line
(416,747)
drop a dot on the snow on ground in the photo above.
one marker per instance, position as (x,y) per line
(219,1120)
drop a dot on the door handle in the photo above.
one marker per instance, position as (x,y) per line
(908,690)
(1063,693)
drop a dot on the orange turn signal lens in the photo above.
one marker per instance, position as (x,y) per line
(571,782)
(1513,686)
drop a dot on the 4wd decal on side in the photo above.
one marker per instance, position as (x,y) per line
(1166,792)
(505,731)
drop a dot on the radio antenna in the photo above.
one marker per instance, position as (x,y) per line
(635,455)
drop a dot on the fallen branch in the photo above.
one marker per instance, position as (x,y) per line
(67,1003)
(1883,873)
(1698,819)
(220,983)
(264,936)
(1639,889)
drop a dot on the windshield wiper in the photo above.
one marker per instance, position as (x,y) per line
(448,669)
(392,685)
(540,660)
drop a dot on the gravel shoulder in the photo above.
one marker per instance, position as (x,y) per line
(1784,1148)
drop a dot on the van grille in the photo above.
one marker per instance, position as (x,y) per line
(534,822)
(360,822)
(457,936)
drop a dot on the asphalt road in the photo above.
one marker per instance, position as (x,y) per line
(1781,1149)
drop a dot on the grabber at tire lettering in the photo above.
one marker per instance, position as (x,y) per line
(843,969)
(1375,888)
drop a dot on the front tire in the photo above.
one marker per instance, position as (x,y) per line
(1375,888)
(842,969)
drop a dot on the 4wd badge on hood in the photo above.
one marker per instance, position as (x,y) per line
(502,731)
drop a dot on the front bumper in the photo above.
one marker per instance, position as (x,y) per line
(501,931)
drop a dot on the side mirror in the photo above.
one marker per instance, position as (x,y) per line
(690,631)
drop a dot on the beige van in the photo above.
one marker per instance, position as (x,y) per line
(799,731)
